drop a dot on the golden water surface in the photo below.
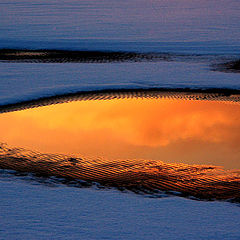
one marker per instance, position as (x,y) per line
(151,136)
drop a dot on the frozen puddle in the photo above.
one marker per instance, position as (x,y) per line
(148,142)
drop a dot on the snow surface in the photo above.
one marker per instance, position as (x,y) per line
(26,81)
(35,211)
(190,27)
(135,20)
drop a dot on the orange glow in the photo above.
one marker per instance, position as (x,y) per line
(192,132)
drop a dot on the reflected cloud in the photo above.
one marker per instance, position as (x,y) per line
(170,130)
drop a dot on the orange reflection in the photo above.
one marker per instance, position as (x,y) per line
(137,175)
(192,132)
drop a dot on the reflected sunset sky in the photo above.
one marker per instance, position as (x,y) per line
(180,131)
